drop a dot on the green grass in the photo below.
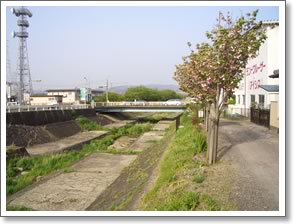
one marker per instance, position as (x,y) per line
(156,117)
(88,125)
(198,179)
(211,204)
(172,190)
(18,208)
(21,172)
(180,201)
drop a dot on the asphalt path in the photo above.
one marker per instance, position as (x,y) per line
(253,152)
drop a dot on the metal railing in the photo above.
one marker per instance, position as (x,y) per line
(139,103)
(27,108)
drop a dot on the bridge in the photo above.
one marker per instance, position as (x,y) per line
(138,107)
(109,107)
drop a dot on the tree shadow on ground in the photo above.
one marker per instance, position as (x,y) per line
(232,133)
(222,151)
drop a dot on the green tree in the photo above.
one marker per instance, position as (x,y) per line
(168,94)
(112,97)
(141,93)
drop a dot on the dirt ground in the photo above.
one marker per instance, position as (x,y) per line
(251,153)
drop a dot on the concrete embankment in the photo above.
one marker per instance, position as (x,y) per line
(34,118)
(74,191)
(74,142)
(97,182)
(26,135)
(128,188)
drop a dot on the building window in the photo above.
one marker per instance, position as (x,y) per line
(238,99)
(261,101)
(252,101)
(243,99)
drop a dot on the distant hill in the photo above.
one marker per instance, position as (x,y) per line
(123,89)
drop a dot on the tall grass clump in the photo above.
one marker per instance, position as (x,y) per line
(199,142)
(180,201)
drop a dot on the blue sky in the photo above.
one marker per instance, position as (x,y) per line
(128,45)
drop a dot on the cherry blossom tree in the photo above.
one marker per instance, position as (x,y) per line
(212,72)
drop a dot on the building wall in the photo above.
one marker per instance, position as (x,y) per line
(43,100)
(258,69)
(274,114)
(69,97)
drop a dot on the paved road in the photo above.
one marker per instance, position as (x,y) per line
(253,152)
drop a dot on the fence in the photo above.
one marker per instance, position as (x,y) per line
(24,108)
(260,116)
(140,103)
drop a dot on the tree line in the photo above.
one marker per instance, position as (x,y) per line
(140,93)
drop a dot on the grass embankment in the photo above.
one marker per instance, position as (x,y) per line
(176,188)
(21,172)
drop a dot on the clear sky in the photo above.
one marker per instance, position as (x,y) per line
(128,45)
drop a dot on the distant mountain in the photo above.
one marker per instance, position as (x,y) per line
(123,89)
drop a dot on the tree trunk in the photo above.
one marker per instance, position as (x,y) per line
(207,118)
(215,144)
(211,137)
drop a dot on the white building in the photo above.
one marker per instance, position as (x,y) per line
(257,87)
(45,100)
(69,96)
(74,96)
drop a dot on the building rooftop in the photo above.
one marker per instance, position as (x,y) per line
(73,90)
(45,95)
(270,22)
(270,88)
(275,75)
(62,90)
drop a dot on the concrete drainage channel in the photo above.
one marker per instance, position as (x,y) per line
(88,184)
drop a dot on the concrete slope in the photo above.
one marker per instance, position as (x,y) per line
(73,142)
(76,190)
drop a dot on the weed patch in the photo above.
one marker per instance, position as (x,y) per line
(18,208)
(211,203)
(198,179)
(173,189)
(88,125)
(183,201)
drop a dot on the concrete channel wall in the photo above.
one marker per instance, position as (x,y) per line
(34,118)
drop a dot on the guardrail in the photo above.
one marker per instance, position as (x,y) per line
(27,108)
(139,103)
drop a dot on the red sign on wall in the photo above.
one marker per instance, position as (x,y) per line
(254,84)
(255,68)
